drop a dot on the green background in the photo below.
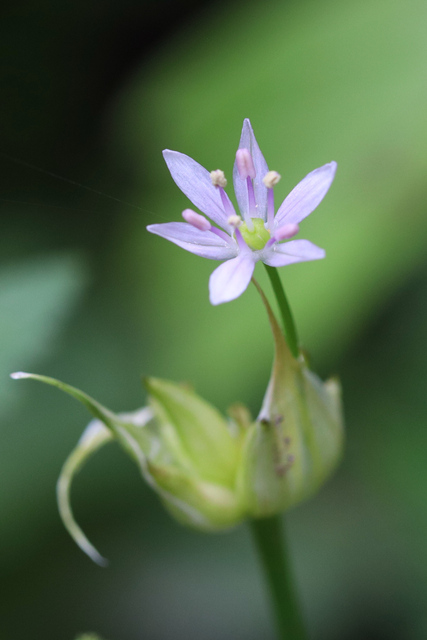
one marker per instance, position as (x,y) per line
(93,92)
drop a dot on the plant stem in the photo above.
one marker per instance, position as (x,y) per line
(270,543)
(289,327)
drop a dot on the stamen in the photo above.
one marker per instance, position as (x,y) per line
(286,232)
(234,221)
(218,178)
(240,241)
(196,220)
(246,169)
(245,164)
(271,179)
(200,222)
(270,208)
(228,207)
(222,234)
(251,204)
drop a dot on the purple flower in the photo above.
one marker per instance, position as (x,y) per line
(260,235)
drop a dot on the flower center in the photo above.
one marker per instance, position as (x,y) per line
(257,237)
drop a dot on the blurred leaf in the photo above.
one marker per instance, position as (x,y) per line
(389,410)
(36,298)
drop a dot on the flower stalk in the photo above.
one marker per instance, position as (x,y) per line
(271,546)
(268,533)
(289,328)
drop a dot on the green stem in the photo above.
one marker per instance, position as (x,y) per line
(289,327)
(270,542)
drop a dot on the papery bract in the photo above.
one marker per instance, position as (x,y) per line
(297,439)
(209,471)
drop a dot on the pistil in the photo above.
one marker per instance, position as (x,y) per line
(257,237)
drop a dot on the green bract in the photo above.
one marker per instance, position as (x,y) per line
(297,439)
(213,472)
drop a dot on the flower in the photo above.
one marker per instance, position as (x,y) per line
(260,235)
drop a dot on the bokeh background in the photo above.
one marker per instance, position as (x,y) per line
(92,92)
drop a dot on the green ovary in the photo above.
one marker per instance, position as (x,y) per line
(258,237)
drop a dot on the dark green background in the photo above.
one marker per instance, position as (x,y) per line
(93,91)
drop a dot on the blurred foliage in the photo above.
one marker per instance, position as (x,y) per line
(35,297)
(89,297)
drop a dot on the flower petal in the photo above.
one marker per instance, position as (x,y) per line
(306,196)
(203,243)
(248,141)
(195,181)
(294,251)
(231,278)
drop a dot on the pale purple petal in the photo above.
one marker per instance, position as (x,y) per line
(202,243)
(306,196)
(290,252)
(195,181)
(231,278)
(248,141)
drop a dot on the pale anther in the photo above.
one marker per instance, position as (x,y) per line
(234,221)
(245,164)
(271,179)
(218,178)
(196,220)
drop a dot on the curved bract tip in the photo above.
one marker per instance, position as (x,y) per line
(94,437)
(19,375)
